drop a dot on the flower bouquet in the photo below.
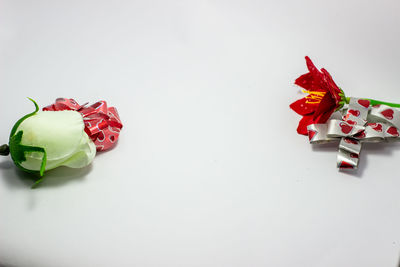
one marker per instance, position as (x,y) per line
(362,119)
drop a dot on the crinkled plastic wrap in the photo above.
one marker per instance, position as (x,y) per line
(102,123)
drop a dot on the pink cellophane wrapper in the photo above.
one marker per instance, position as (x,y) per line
(102,123)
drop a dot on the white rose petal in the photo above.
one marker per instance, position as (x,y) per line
(62,135)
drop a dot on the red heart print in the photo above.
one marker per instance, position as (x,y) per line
(388,113)
(363,102)
(351,122)
(360,135)
(350,141)
(345,127)
(345,165)
(100,136)
(311,134)
(377,127)
(354,112)
(353,155)
(393,131)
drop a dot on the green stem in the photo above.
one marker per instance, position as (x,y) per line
(374,102)
(4,150)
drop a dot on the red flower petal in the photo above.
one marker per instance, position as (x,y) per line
(304,122)
(313,70)
(325,109)
(310,65)
(301,107)
(308,82)
(331,85)
(317,110)
(313,80)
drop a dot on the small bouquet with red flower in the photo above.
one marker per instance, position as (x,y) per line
(362,119)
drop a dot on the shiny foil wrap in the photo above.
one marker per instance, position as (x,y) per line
(360,123)
(102,123)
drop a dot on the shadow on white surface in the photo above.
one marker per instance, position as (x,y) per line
(331,147)
(15,178)
(369,149)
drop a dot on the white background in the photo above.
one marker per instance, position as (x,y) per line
(209,170)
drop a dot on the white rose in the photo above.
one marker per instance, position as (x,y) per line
(45,140)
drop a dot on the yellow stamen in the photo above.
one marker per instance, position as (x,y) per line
(314,97)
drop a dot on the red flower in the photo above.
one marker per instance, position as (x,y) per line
(324,97)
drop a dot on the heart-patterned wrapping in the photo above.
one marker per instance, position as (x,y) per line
(361,123)
(102,123)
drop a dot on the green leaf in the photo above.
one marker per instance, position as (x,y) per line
(17,150)
(14,129)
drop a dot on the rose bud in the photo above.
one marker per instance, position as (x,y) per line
(64,134)
(45,140)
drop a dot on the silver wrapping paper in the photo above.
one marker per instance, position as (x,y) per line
(360,123)
(352,126)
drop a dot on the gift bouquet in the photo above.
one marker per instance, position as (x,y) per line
(362,119)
